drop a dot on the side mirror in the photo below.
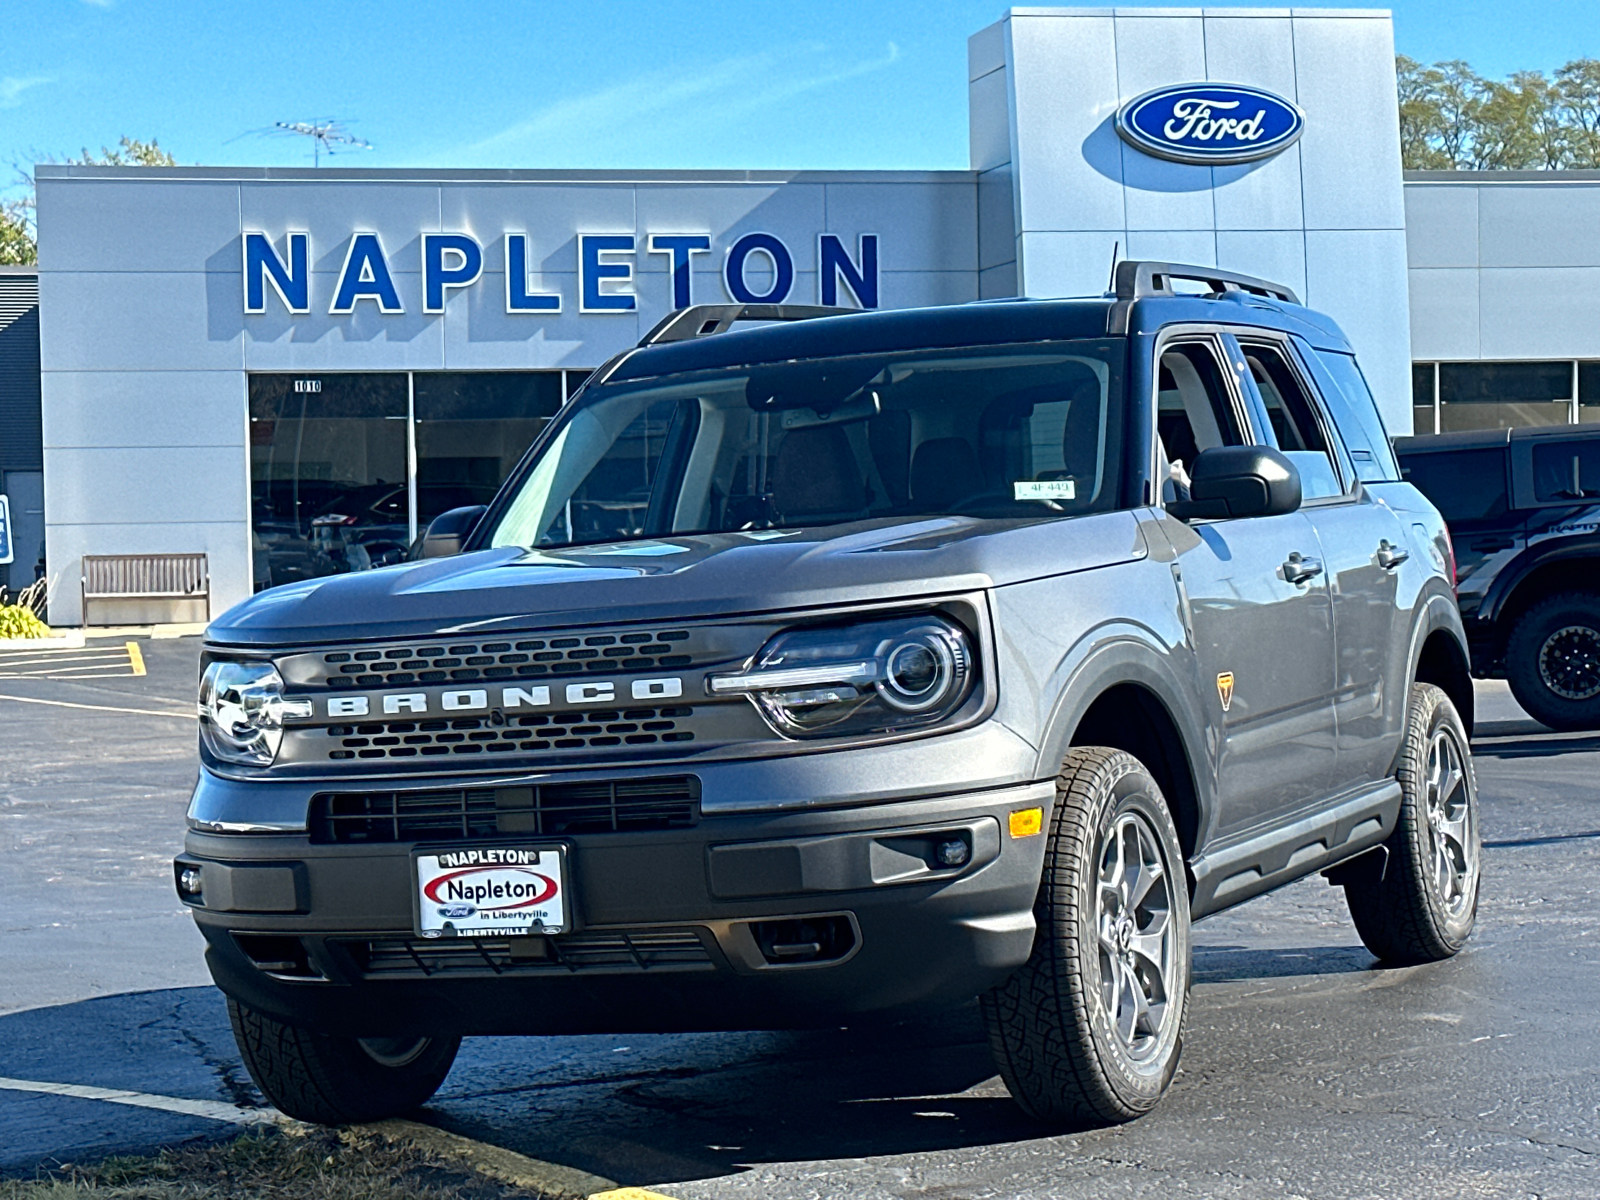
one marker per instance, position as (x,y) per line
(1239,481)
(448,531)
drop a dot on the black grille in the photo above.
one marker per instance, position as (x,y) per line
(620,950)
(500,734)
(538,810)
(525,658)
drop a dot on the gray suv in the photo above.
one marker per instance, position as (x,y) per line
(841,665)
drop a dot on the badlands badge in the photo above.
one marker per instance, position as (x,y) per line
(1225,689)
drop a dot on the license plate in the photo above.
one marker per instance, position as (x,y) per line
(491,891)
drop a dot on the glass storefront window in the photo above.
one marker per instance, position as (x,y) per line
(329,486)
(1422,419)
(472,427)
(1589,391)
(1500,395)
(327,474)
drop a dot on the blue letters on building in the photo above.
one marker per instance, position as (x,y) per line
(437,274)
(366,277)
(593,270)
(518,298)
(1215,123)
(782,269)
(292,282)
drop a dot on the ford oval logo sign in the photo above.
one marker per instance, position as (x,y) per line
(1210,123)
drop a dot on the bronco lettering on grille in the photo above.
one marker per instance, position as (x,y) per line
(477,699)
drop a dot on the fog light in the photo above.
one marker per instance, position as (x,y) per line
(953,853)
(189,883)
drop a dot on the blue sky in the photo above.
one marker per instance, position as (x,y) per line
(551,83)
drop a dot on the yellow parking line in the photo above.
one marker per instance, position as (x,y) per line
(135,658)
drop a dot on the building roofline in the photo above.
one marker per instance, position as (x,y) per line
(438,175)
(1501,177)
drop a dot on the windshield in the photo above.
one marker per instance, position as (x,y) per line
(1028,431)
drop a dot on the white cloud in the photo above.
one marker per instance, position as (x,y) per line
(12,87)
(99,3)
(733,87)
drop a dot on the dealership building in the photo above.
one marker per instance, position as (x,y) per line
(292,371)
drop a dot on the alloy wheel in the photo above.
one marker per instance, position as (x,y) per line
(1452,823)
(1134,925)
(1569,662)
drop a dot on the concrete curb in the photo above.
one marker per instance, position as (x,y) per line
(507,1166)
(61,641)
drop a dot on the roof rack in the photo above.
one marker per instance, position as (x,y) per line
(1134,280)
(703,320)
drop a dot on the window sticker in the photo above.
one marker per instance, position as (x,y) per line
(1044,489)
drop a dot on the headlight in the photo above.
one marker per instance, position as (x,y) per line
(242,708)
(875,677)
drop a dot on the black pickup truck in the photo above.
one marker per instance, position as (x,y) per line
(1523,506)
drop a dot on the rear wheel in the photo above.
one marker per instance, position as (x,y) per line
(1420,904)
(339,1080)
(1553,661)
(1089,1029)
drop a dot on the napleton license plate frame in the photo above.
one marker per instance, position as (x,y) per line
(486,860)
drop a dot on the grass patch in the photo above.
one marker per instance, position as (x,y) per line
(291,1163)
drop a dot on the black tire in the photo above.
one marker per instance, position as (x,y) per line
(339,1080)
(1553,661)
(1420,905)
(1051,1023)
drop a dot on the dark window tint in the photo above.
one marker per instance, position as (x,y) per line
(1480,395)
(1465,485)
(1193,409)
(1589,391)
(472,428)
(1356,414)
(327,474)
(1565,471)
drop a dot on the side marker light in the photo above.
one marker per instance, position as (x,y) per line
(1026,822)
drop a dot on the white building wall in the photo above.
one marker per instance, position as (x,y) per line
(1504,264)
(1325,217)
(145,344)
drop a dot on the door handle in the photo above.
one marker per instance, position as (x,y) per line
(1490,545)
(1390,556)
(1298,569)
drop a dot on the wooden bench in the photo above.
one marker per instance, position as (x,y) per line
(141,577)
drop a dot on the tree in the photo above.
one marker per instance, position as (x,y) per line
(1451,118)
(18,233)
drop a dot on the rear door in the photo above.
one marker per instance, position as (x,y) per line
(1363,546)
(1257,606)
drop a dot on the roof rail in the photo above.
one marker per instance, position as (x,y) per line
(703,320)
(1134,280)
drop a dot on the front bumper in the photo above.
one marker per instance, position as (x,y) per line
(673,929)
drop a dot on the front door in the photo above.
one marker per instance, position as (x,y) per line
(1258,611)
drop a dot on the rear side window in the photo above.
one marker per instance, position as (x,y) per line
(1356,415)
(1464,485)
(1294,422)
(1566,471)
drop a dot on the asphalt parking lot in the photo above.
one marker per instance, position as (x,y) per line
(1307,1072)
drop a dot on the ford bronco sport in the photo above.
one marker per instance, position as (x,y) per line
(843,665)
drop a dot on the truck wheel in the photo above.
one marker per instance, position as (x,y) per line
(339,1080)
(1553,661)
(1089,1029)
(1419,906)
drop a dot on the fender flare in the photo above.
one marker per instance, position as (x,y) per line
(1436,613)
(1515,573)
(1120,654)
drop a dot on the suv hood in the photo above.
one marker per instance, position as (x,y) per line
(677,578)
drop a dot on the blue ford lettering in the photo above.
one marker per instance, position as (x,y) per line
(1210,123)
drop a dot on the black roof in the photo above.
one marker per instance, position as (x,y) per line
(1483,439)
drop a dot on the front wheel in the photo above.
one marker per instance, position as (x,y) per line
(339,1080)
(1419,905)
(1088,1031)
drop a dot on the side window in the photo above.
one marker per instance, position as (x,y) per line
(1294,422)
(1356,414)
(1464,485)
(1194,410)
(1566,471)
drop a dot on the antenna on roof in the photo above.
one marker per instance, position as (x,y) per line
(1111,284)
(325,135)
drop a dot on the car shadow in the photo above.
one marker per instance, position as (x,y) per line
(1236,964)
